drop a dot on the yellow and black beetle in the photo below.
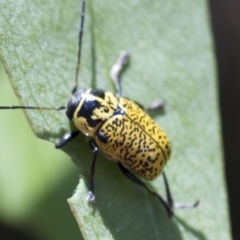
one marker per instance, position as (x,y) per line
(120,128)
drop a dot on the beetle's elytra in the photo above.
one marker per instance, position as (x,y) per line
(120,128)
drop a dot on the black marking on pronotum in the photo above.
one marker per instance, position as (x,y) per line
(86,111)
(98,93)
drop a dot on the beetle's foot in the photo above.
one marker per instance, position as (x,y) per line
(123,59)
(187,205)
(90,197)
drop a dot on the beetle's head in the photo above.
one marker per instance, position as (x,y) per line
(74,102)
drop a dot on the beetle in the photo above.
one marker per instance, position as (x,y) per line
(119,128)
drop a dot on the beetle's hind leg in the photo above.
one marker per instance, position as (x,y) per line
(117,67)
(169,203)
(170,199)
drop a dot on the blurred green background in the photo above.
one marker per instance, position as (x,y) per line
(41,179)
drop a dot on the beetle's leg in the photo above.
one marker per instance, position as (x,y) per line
(168,192)
(156,105)
(90,195)
(116,70)
(67,137)
(132,177)
(170,201)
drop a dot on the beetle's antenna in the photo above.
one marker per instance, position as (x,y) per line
(32,107)
(77,68)
(79,46)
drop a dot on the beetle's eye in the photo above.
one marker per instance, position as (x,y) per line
(73,103)
(71,107)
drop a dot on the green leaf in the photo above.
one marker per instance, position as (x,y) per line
(172,59)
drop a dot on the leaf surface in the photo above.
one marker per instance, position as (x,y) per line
(171,59)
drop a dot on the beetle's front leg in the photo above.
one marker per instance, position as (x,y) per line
(67,137)
(116,71)
(90,196)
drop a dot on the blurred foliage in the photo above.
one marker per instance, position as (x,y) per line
(35,178)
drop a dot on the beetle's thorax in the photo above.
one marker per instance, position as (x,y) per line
(94,107)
